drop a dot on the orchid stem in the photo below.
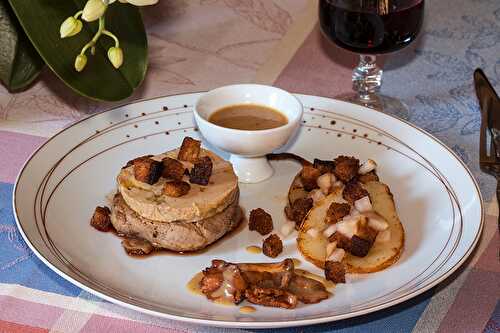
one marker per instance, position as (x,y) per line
(110,34)
(78,14)
(98,34)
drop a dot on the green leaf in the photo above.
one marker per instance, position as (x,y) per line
(20,64)
(99,80)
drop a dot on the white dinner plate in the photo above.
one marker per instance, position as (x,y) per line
(438,201)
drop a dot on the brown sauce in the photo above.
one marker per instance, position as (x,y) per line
(247,309)
(222,295)
(194,284)
(325,282)
(250,117)
(224,301)
(254,249)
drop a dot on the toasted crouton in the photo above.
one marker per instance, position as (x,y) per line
(176,188)
(272,246)
(336,212)
(353,191)
(346,168)
(190,150)
(172,169)
(335,271)
(324,166)
(360,246)
(309,177)
(147,170)
(201,171)
(131,162)
(289,212)
(343,242)
(260,221)
(101,219)
(299,209)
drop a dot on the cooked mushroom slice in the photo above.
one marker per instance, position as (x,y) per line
(274,297)
(268,284)
(284,270)
(308,291)
(223,282)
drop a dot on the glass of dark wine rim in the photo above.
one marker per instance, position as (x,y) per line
(370,28)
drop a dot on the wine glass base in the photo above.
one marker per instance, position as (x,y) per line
(379,102)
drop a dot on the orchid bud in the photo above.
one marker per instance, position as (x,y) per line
(80,62)
(70,27)
(93,10)
(115,55)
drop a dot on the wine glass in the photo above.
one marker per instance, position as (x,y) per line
(370,27)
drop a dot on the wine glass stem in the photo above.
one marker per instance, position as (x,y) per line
(367,79)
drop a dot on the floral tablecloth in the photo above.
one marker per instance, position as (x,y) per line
(196,45)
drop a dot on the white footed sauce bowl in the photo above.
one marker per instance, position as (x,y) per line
(248,148)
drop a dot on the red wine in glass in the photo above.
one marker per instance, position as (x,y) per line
(370,27)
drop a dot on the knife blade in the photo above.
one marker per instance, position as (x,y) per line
(490,106)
